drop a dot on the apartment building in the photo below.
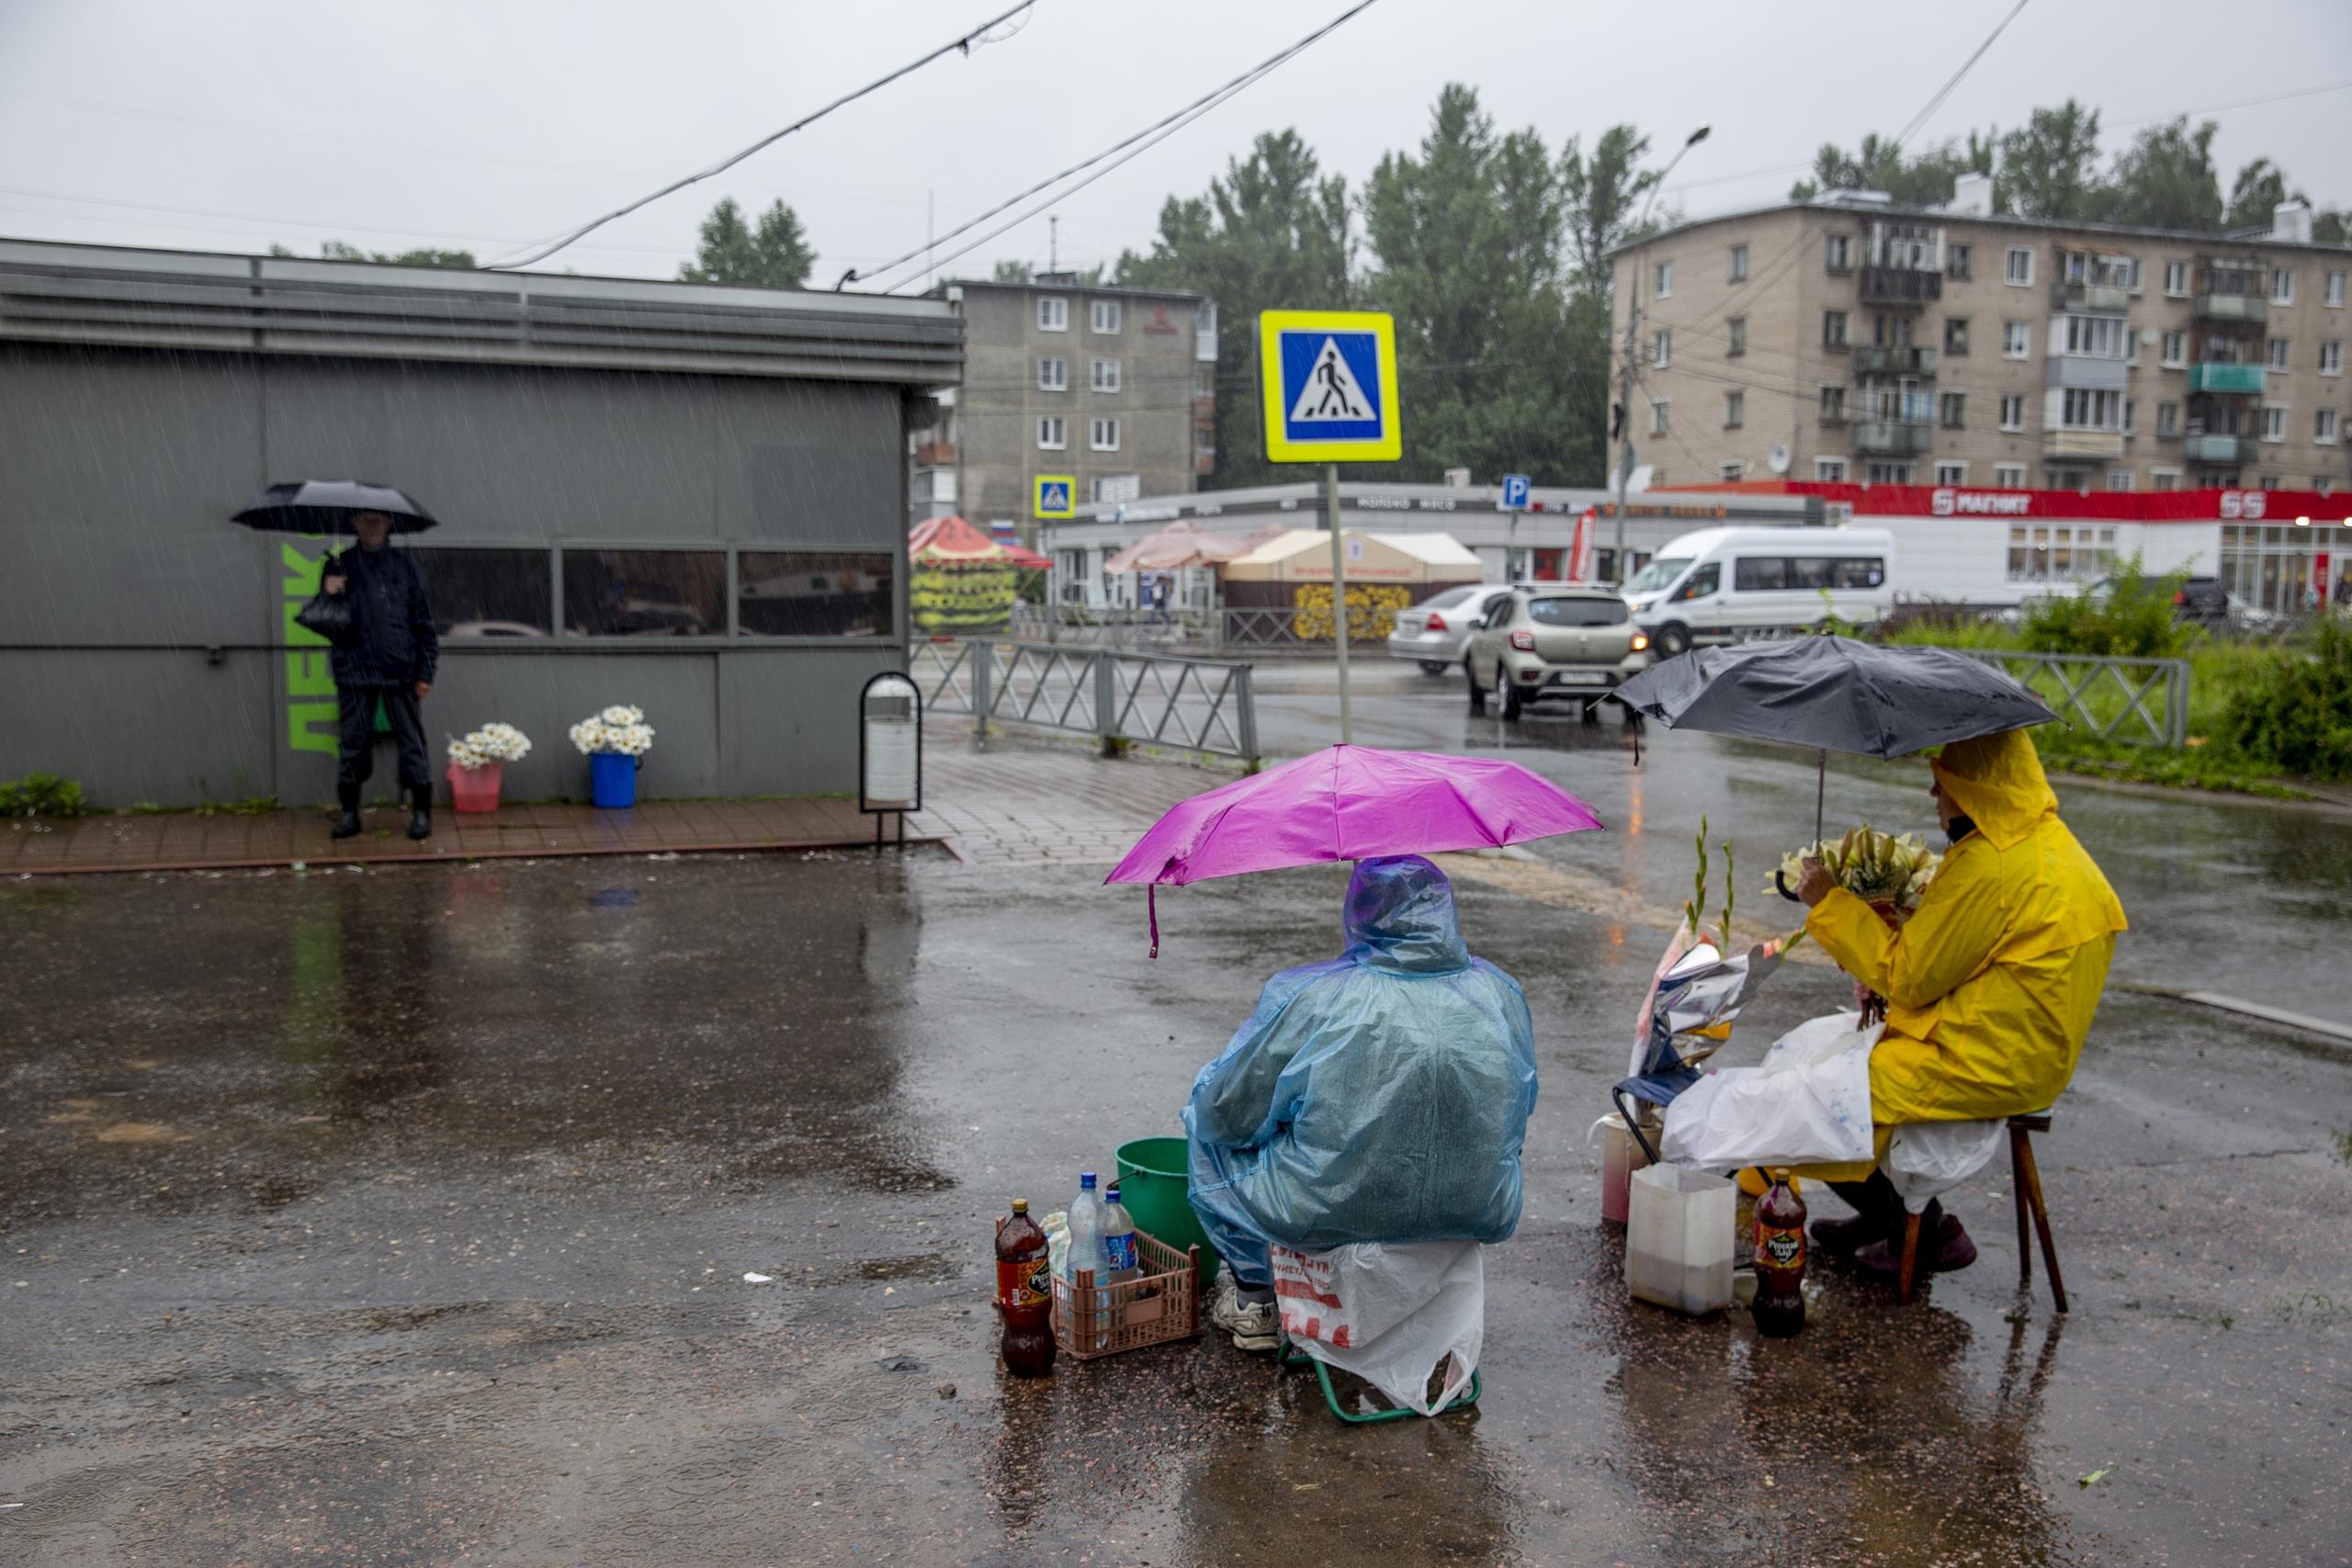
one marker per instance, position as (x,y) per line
(1114,385)
(1846,341)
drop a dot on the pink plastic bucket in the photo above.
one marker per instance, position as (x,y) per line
(475,789)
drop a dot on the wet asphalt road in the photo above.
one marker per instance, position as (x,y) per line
(402,1219)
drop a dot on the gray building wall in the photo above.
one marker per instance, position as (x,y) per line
(142,646)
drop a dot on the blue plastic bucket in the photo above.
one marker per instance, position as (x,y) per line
(612,780)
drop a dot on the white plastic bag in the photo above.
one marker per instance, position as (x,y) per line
(1389,1313)
(1927,1160)
(1808,1101)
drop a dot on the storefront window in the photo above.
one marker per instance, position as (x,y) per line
(644,592)
(814,594)
(487,594)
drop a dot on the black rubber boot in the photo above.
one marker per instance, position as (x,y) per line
(420,824)
(348,825)
(1878,1214)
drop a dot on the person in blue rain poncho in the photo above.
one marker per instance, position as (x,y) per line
(1379,1096)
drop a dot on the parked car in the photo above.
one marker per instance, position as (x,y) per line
(1431,633)
(1552,643)
(2202,601)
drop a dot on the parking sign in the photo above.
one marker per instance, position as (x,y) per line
(1515,492)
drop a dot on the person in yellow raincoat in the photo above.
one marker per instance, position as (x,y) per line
(1990,985)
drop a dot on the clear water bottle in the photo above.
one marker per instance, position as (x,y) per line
(1119,1263)
(1085,1249)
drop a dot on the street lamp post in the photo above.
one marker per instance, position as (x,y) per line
(1633,335)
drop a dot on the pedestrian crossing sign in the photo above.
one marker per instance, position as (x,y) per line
(1057,495)
(1330,387)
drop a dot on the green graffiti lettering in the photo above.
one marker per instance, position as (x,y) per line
(300,732)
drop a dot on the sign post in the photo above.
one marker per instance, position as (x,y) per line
(1328,380)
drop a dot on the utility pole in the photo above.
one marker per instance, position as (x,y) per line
(1633,335)
(1053,244)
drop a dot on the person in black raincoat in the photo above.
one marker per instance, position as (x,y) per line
(391,657)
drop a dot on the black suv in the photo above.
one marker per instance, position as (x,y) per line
(2201,600)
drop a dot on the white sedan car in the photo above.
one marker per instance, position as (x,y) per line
(1432,632)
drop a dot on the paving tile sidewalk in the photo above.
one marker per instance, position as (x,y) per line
(1027,802)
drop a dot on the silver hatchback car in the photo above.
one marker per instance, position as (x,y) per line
(1541,644)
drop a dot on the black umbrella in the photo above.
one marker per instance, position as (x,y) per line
(1834,694)
(326,506)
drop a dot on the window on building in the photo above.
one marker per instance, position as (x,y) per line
(1891,473)
(1662,280)
(1735,331)
(1739,265)
(2130,417)
(2062,552)
(2090,408)
(486,593)
(2323,427)
(2009,476)
(1103,316)
(2163,478)
(2017,267)
(1953,407)
(1052,433)
(2132,281)
(2176,279)
(1052,374)
(2174,353)
(2276,354)
(1662,348)
(2274,423)
(1829,471)
(2016,339)
(2168,422)
(1956,335)
(2119,479)
(1657,420)
(2012,411)
(1102,435)
(2331,357)
(1891,330)
(2282,286)
(1837,252)
(1733,473)
(1832,405)
(1951,473)
(2095,337)
(2334,291)
(1833,329)
(1735,410)
(644,592)
(1105,378)
(1958,260)
(814,592)
(1053,313)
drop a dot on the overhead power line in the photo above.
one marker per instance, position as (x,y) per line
(963,43)
(1132,146)
(1967,65)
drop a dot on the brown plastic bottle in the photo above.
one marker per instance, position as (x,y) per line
(1024,1293)
(1778,1308)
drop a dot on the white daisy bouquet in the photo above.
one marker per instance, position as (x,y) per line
(1882,870)
(491,743)
(619,730)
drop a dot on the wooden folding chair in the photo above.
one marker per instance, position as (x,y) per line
(2026,1180)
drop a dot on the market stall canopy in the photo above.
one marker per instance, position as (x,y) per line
(1304,555)
(1028,560)
(943,541)
(1180,544)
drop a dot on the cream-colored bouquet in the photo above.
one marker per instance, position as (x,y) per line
(1878,868)
(620,730)
(491,743)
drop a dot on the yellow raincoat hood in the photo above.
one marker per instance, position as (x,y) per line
(1998,780)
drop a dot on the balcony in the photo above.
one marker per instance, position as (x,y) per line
(1900,286)
(1894,438)
(2082,446)
(2209,377)
(2231,308)
(1905,360)
(2216,448)
(2112,298)
(935,455)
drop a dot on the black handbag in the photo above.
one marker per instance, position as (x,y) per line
(329,615)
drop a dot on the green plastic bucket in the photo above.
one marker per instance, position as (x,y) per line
(1157,1192)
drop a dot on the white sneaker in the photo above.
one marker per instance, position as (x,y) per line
(1255,1326)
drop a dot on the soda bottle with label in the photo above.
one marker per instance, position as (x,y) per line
(1024,1293)
(1779,1307)
(1119,1264)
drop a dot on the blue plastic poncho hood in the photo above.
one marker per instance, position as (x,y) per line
(1380,1096)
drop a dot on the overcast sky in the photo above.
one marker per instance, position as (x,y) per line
(487,123)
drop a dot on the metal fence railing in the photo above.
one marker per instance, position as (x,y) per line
(2142,701)
(1284,628)
(1117,695)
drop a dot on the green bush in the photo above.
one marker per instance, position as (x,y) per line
(2294,710)
(41,794)
(2133,620)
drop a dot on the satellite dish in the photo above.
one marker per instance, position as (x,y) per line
(2148,337)
(1777,459)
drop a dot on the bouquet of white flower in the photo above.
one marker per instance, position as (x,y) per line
(619,730)
(491,743)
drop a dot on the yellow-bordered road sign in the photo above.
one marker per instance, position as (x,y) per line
(1055,496)
(1330,387)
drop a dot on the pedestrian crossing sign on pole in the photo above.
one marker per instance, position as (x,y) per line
(1330,386)
(1057,495)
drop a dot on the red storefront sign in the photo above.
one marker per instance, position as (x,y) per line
(2099,505)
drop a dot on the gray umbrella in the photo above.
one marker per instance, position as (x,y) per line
(327,506)
(1835,694)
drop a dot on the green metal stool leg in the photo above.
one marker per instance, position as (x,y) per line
(1288,1354)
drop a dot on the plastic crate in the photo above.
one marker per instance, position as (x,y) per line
(1161,1305)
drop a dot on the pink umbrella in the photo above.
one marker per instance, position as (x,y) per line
(1349,803)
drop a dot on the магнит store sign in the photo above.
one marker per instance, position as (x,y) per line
(2099,505)
(1946,501)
